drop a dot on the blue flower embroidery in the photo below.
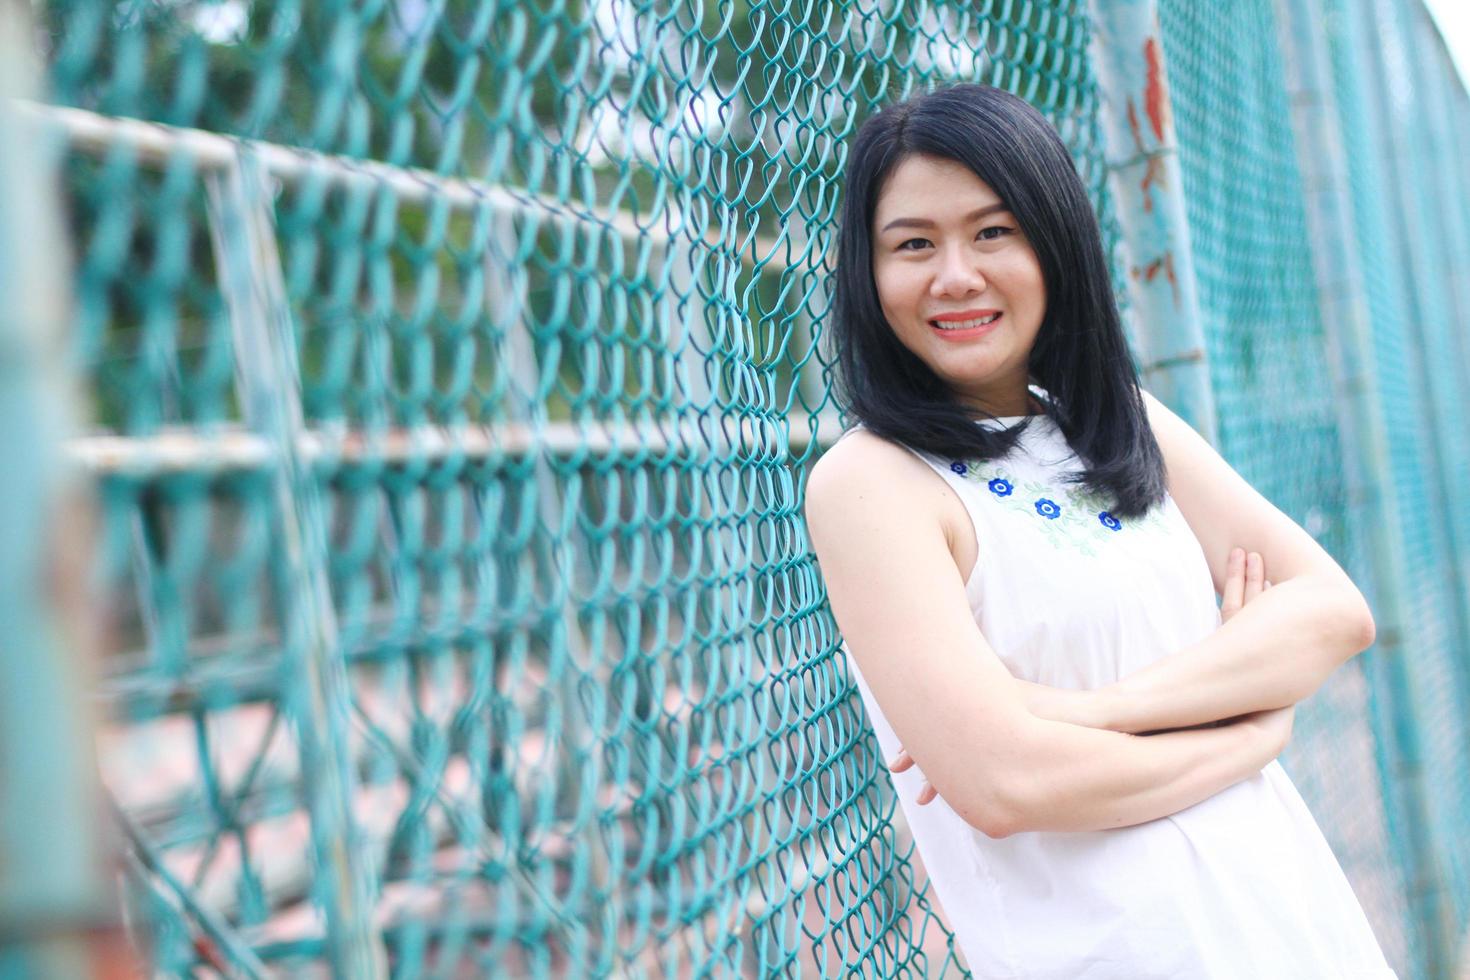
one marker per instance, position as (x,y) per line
(1065,508)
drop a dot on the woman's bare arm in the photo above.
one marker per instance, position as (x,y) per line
(1090,779)
(1127,783)
(1245,581)
(1276,651)
(1115,708)
(873,515)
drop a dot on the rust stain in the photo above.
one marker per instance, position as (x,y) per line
(1153,170)
(1155,100)
(1165,264)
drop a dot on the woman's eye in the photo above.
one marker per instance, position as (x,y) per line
(985,236)
(912,244)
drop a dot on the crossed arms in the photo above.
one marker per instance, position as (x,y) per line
(1280,647)
(1010,756)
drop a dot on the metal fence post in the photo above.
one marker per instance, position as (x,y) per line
(54,889)
(1146,180)
(241,227)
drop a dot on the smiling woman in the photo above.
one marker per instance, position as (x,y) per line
(952,267)
(915,249)
(1022,551)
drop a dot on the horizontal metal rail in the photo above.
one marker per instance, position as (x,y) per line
(172,451)
(159,143)
(233,448)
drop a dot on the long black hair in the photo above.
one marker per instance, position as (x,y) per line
(1080,355)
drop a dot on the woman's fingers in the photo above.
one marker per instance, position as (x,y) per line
(902,762)
(1255,575)
(1245,578)
(1244,581)
(1233,596)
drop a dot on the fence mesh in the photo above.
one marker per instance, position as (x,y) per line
(453,368)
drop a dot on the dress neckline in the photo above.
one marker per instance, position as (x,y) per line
(1006,421)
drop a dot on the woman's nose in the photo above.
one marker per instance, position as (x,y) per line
(958,274)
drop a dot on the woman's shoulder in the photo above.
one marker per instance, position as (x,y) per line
(864,480)
(863,464)
(859,452)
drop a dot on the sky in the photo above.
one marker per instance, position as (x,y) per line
(1453,17)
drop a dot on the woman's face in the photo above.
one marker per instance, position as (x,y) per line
(947,256)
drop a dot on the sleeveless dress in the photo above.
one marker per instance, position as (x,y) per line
(1241,885)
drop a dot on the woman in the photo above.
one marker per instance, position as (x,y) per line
(1023,550)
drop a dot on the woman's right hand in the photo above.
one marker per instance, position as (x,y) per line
(1245,578)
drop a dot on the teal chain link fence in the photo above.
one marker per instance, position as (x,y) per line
(450,372)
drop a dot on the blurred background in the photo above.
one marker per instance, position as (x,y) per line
(406,405)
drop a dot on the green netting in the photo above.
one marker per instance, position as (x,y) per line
(453,368)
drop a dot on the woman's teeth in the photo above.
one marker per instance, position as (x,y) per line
(964,324)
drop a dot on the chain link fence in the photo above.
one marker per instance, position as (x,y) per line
(450,372)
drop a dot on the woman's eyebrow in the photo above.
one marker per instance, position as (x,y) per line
(926,223)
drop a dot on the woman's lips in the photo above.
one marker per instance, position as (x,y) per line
(967,333)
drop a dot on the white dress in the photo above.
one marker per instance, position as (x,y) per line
(1241,885)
